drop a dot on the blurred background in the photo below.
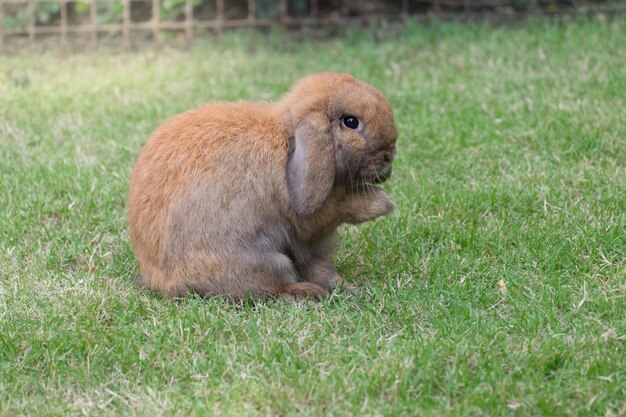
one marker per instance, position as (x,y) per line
(80,24)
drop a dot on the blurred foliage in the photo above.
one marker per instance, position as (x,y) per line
(109,12)
(81,7)
(22,16)
(174,9)
(48,13)
(270,9)
(41,13)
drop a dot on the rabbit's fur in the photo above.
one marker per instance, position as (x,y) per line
(243,199)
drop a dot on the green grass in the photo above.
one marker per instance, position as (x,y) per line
(511,166)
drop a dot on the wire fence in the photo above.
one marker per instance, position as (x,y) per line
(125,21)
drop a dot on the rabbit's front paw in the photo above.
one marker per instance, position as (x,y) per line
(367,204)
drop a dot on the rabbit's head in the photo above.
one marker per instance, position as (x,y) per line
(344,133)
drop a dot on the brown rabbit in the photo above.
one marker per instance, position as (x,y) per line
(244,198)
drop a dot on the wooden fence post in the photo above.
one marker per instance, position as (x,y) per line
(31,24)
(93,16)
(63,7)
(283,14)
(188,19)
(251,12)
(156,20)
(220,15)
(1,28)
(126,23)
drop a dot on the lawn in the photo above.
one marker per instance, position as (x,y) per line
(496,288)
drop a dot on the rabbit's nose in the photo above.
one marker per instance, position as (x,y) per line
(389,153)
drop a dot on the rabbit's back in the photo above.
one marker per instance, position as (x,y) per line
(207,177)
(209,138)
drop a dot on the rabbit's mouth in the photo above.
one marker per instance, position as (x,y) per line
(377,168)
(382,177)
(377,178)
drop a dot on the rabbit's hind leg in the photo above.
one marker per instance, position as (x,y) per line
(262,285)
(249,275)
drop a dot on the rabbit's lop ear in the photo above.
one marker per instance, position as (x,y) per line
(311,165)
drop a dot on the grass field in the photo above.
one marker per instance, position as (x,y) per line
(496,288)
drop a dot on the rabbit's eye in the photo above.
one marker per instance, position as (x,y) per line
(350,122)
